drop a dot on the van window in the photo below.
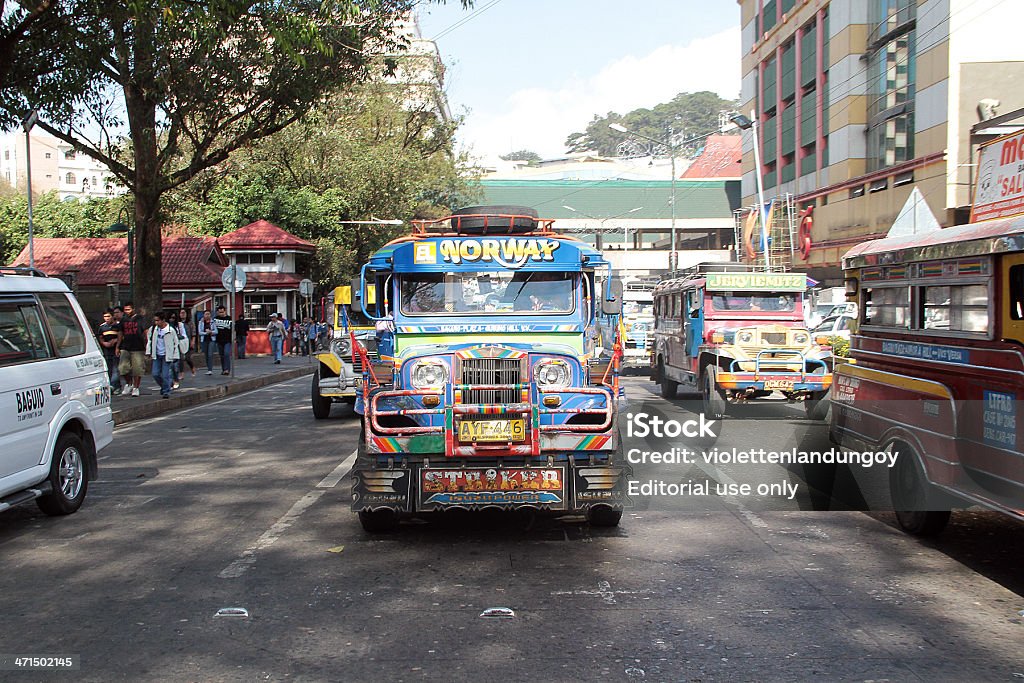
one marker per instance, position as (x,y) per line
(68,337)
(22,338)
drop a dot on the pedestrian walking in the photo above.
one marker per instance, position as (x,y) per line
(131,350)
(162,347)
(312,332)
(296,335)
(207,339)
(189,328)
(177,366)
(275,330)
(224,328)
(109,334)
(241,333)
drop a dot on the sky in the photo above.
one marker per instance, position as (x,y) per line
(526,74)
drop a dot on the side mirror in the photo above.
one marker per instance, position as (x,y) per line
(357,295)
(611,302)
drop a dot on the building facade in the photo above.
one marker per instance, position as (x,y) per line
(860,101)
(56,166)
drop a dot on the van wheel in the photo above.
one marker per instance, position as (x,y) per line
(669,388)
(321,405)
(909,489)
(378,521)
(68,478)
(603,516)
(713,399)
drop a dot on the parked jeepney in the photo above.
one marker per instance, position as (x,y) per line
(938,368)
(337,370)
(735,336)
(495,386)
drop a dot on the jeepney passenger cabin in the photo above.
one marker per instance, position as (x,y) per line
(938,371)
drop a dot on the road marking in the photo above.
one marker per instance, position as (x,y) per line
(269,537)
(332,479)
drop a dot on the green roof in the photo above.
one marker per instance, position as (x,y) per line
(614,198)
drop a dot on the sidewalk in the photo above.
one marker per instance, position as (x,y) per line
(251,373)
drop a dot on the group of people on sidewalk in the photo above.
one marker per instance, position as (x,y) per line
(169,341)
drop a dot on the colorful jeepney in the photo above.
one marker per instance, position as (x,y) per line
(938,371)
(735,336)
(495,386)
(337,370)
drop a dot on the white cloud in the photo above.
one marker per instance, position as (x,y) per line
(541,119)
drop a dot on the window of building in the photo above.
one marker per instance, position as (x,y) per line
(70,179)
(887,306)
(7,154)
(958,308)
(258,258)
(48,155)
(70,155)
(891,77)
(258,308)
(857,191)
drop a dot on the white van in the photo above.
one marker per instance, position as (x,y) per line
(54,394)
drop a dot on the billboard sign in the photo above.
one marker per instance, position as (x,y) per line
(999,188)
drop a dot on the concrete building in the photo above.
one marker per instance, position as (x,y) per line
(56,166)
(860,101)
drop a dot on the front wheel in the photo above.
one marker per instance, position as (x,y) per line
(910,496)
(669,388)
(68,479)
(321,405)
(378,521)
(713,399)
(604,516)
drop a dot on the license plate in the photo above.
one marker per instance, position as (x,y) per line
(778,384)
(492,430)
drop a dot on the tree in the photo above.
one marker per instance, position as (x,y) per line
(372,151)
(521,155)
(190,83)
(687,117)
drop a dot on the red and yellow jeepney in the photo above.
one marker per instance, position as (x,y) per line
(938,368)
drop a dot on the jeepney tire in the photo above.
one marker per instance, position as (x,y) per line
(816,405)
(321,405)
(669,388)
(69,476)
(602,515)
(378,521)
(714,401)
(909,489)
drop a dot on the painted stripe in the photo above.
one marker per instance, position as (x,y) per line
(891,379)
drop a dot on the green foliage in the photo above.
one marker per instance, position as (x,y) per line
(366,154)
(521,155)
(686,116)
(51,217)
(840,346)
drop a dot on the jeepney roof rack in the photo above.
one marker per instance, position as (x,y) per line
(713,267)
(485,220)
(21,270)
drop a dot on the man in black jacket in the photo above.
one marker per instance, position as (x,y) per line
(241,332)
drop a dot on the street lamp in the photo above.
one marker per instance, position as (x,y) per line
(600,231)
(672,149)
(28,123)
(744,123)
(125,227)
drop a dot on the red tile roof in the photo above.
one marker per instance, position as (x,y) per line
(187,261)
(721,158)
(263,235)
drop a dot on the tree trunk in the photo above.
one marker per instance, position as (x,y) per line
(148,269)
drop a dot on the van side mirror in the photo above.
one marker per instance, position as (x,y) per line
(611,302)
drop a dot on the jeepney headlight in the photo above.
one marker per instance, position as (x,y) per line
(745,337)
(428,373)
(552,372)
(341,347)
(801,338)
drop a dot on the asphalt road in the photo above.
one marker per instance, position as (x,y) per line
(244,503)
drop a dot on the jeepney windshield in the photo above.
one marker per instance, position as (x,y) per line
(754,301)
(354,314)
(487,293)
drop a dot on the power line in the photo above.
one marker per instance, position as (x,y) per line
(462,22)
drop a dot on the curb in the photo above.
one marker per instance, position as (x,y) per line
(140,412)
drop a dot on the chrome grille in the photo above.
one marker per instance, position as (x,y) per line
(774,338)
(491,371)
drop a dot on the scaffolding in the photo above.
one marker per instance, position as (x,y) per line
(782,226)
